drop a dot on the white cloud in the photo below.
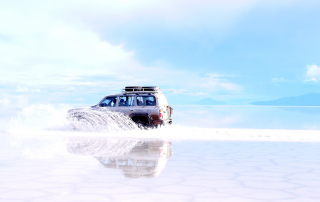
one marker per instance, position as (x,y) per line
(218,85)
(52,45)
(57,37)
(313,73)
(198,94)
(4,101)
(179,91)
(71,88)
(185,92)
(43,43)
(25,90)
(21,89)
(171,14)
(312,79)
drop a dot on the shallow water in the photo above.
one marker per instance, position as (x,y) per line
(135,170)
(257,117)
(216,153)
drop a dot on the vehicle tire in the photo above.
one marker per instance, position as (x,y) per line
(139,124)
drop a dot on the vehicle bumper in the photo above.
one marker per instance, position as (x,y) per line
(162,122)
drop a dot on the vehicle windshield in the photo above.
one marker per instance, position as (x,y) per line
(126,101)
(109,102)
(146,101)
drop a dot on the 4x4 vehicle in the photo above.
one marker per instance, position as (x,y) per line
(146,106)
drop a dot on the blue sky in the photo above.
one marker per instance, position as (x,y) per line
(235,51)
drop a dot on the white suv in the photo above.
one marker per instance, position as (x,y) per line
(146,106)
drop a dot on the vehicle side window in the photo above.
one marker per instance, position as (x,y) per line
(126,101)
(146,101)
(109,102)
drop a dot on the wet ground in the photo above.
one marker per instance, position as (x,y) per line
(120,169)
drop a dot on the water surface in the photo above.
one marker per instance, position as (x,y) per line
(194,161)
(261,117)
(158,170)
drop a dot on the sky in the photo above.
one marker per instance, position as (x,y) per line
(237,51)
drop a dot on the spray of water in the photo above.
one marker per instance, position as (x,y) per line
(61,118)
(87,119)
(40,131)
(40,118)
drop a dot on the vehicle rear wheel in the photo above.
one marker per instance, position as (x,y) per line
(142,125)
(139,124)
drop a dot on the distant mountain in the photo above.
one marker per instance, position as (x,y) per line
(311,99)
(209,101)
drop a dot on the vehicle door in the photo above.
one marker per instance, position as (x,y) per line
(146,104)
(126,104)
(109,103)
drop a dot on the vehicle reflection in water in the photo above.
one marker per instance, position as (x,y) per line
(135,157)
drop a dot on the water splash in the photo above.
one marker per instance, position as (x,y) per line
(40,117)
(60,118)
(87,119)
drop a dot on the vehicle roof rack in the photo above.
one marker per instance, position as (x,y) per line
(132,88)
(151,88)
(139,89)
